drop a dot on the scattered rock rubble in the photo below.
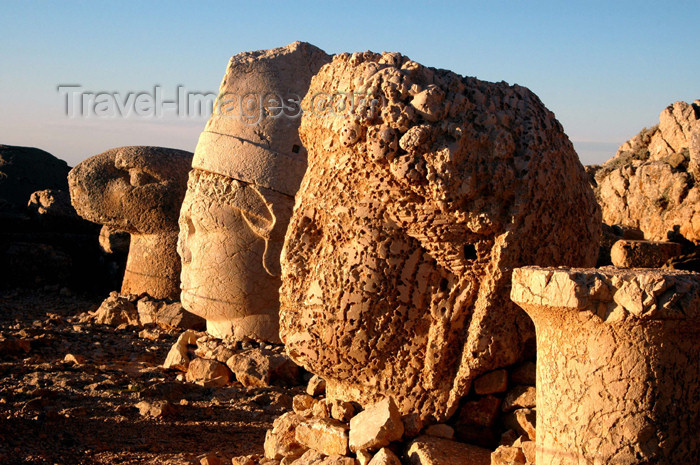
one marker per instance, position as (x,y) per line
(491,428)
(73,391)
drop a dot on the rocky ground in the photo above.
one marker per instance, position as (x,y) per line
(74,392)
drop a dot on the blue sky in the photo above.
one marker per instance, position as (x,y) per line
(606,69)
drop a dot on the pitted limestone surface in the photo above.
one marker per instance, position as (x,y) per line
(418,201)
(138,190)
(618,371)
(246,169)
(652,182)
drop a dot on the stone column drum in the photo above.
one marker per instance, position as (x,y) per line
(247,167)
(138,190)
(618,364)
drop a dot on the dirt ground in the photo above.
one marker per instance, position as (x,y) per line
(57,411)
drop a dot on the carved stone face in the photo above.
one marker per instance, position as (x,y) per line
(231,234)
(246,169)
(396,265)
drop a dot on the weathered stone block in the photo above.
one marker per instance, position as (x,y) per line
(376,426)
(428,450)
(330,437)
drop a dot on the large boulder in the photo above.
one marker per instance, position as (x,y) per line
(423,192)
(42,240)
(24,170)
(652,182)
(247,167)
(138,190)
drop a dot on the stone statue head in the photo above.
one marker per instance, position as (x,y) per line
(247,167)
(424,189)
(138,190)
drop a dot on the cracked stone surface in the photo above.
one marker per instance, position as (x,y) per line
(652,182)
(247,167)
(417,203)
(139,190)
(618,364)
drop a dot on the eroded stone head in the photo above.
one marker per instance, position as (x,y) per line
(422,194)
(138,190)
(246,169)
(135,189)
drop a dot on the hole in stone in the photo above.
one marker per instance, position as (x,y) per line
(443,284)
(469,252)
(296,148)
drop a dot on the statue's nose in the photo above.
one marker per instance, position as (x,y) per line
(183,241)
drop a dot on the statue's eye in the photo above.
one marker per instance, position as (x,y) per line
(139,178)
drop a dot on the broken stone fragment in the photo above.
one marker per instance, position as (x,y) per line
(321,409)
(385,457)
(482,412)
(429,450)
(529,450)
(261,368)
(522,421)
(376,426)
(113,241)
(330,437)
(208,373)
(245,460)
(116,310)
(178,357)
(412,425)
(643,254)
(280,441)
(75,359)
(417,203)
(310,457)
(302,404)
(363,457)
(520,397)
(174,316)
(211,458)
(491,383)
(341,410)
(440,431)
(316,386)
(214,349)
(138,190)
(169,316)
(156,409)
(525,373)
(508,455)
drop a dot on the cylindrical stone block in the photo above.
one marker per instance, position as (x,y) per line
(618,364)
